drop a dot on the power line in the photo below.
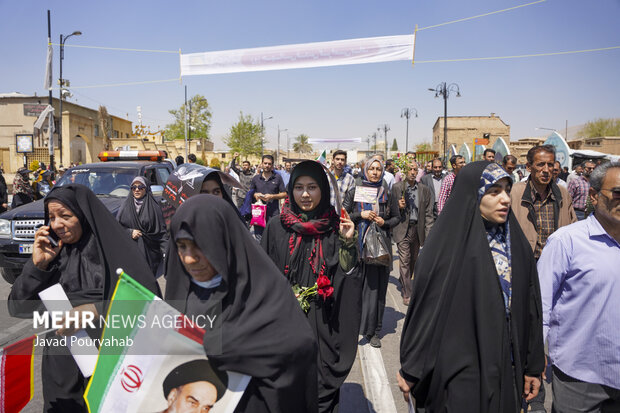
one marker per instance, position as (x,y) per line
(518,56)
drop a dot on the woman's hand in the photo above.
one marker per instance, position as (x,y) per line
(347,228)
(530,387)
(136,233)
(43,252)
(405,386)
(380,221)
(76,312)
(369,215)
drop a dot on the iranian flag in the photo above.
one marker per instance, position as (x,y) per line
(16,382)
(322,157)
(144,343)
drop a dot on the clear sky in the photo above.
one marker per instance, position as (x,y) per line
(332,102)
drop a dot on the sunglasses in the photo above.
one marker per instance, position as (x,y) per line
(138,187)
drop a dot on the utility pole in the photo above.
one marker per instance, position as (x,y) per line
(385,128)
(406,113)
(443,89)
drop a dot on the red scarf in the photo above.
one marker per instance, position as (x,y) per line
(328,221)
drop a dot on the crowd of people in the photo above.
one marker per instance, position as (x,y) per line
(492,264)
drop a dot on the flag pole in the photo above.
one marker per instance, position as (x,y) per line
(51,118)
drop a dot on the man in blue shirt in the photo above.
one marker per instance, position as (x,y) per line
(579,272)
(269,188)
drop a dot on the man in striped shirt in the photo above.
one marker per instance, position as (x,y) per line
(457,162)
(579,189)
(345,180)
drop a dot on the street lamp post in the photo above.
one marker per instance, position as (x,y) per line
(262,131)
(406,113)
(63,39)
(278,148)
(443,89)
(385,128)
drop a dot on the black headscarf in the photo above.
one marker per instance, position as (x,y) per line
(91,263)
(456,342)
(149,220)
(263,331)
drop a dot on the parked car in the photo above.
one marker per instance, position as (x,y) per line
(109,180)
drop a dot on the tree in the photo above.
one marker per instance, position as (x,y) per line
(600,127)
(245,136)
(199,119)
(394,147)
(215,163)
(423,147)
(301,144)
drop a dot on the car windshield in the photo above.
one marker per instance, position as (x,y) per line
(102,181)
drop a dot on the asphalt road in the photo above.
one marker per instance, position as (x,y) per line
(371,386)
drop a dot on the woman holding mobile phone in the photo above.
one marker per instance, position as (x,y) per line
(91,246)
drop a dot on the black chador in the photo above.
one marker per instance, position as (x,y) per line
(261,331)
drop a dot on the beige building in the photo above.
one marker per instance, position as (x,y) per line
(605,144)
(464,129)
(519,148)
(82,138)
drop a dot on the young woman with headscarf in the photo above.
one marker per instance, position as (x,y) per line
(472,338)
(22,191)
(91,246)
(141,215)
(214,265)
(383,211)
(309,244)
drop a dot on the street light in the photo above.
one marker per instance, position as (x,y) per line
(262,131)
(444,90)
(63,39)
(406,113)
(385,129)
(278,148)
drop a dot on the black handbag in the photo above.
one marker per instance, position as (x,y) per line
(375,250)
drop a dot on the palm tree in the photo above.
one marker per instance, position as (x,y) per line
(301,144)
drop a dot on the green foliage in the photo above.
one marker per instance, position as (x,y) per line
(215,163)
(423,147)
(200,161)
(245,136)
(199,120)
(394,147)
(301,144)
(600,127)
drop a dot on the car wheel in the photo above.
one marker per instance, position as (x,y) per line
(10,274)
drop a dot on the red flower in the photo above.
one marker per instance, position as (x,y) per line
(326,292)
(322,282)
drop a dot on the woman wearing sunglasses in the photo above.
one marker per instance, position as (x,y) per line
(142,216)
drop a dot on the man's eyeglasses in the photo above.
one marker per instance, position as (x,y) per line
(615,192)
(138,187)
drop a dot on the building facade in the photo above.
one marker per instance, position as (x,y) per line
(464,129)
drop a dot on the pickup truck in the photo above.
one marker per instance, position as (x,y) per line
(109,180)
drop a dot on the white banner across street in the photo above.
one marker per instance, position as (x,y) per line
(299,56)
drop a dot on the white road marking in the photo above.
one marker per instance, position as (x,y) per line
(376,383)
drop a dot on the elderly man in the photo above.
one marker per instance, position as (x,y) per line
(509,163)
(539,204)
(409,235)
(579,189)
(578,272)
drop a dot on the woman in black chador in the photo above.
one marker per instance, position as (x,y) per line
(311,244)
(142,217)
(91,246)
(385,213)
(472,338)
(214,267)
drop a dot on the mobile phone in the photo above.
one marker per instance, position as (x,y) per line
(53,238)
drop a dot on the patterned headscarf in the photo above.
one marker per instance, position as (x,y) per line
(498,236)
(489,177)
